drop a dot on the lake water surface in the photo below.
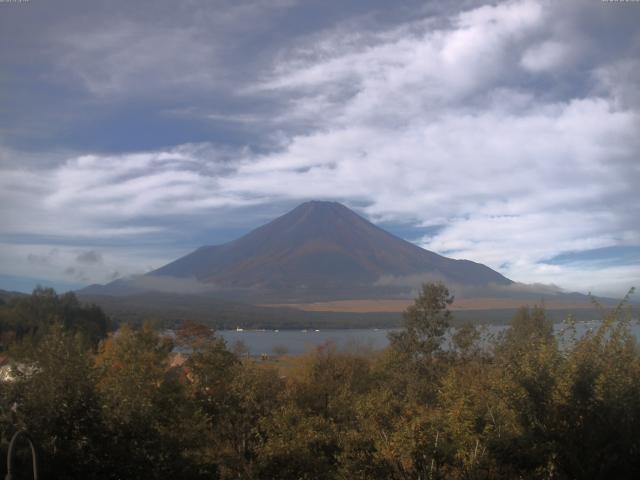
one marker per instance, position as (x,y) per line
(299,341)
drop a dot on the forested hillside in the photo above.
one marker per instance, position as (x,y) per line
(116,406)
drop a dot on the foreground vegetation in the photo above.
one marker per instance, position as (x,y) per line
(112,406)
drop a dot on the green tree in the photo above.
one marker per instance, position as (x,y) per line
(54,398)
(529,364)
(414,362)
(466,341)
(32,316)
(154,430)
(597,426)
(240,432)
(425,322)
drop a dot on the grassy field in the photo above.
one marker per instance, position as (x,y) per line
(399,305)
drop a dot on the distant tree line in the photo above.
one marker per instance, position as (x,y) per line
(31,317)
(117,406)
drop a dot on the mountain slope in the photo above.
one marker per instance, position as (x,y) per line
(317,250)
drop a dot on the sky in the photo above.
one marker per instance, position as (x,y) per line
(507,133)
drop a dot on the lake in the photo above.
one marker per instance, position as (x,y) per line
(299,341)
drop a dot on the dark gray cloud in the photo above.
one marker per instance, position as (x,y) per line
(42,259)
(90,257)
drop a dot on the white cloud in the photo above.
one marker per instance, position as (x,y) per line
(407,72)
(548,55)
